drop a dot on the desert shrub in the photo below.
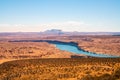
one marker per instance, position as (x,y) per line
(64,68)
(105,77)
(116,74)
(88,77)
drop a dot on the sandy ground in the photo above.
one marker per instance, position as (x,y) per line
(5,60)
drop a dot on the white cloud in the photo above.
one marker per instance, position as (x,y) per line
(19,25)
(4,25)
(65,26)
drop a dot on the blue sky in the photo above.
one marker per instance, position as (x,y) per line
(68,15)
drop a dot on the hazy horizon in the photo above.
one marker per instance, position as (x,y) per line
(67,15)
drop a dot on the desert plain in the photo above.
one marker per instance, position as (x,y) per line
(28,60)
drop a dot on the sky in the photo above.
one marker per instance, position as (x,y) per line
(67,15)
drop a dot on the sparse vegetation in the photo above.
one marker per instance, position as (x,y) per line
(61,69)
(22,50)
(66,68)
(102,44)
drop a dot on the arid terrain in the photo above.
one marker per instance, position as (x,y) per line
(28,60)
(106,45)
(61,69)
(28,50)
(59,39)
(102,44)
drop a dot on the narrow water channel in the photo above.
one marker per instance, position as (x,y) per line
(70,47)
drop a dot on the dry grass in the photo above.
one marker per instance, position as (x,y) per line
(61,69)
(107,44)
(110,45)
(21,50)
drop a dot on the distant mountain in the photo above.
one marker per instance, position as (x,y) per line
(60,32)
(54,31)
(93,33)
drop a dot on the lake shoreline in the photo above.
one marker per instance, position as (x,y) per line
(71,43)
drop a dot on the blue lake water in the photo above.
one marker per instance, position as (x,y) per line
(75,49)
(71,47)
